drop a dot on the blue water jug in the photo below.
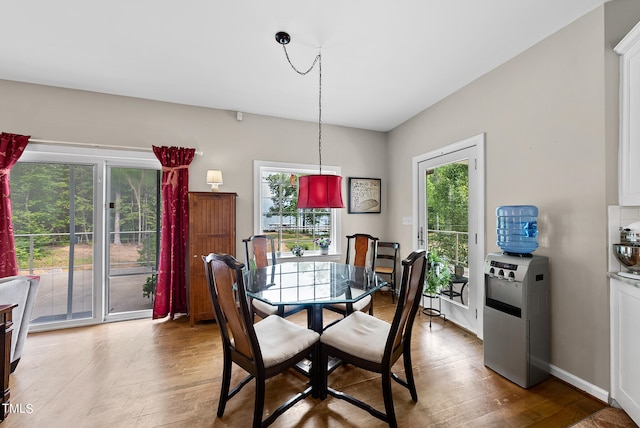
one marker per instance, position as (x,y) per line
(517,228)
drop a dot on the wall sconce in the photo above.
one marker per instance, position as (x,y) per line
(214,177)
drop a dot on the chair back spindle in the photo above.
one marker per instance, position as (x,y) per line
(362,242)
(258,247)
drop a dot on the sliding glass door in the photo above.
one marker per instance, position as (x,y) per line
(53,218)
(86,222)
(133,213)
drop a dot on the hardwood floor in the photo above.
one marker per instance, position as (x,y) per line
(164,373)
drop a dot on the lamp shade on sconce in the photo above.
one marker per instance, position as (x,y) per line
(214,178)
(320,191)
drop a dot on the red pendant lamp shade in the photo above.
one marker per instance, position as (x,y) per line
(320,191)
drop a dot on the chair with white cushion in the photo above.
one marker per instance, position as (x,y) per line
(367,342)
(364,248)
(264,349)
(21,290)
(259,253)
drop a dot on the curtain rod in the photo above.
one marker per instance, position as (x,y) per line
(96,146)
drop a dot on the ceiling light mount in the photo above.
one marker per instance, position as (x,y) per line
(283,37)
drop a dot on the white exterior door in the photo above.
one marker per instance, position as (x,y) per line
(455,230)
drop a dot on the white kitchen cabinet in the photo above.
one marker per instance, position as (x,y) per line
(629,150)
(625,345)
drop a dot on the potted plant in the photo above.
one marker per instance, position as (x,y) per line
(149,287)
(297,250)
(323,243)
(438,274)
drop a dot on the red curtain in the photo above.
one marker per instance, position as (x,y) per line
(11,148)
(171,288)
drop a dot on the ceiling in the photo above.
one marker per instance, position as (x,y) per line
(382,61)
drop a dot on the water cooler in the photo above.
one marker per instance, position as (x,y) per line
(516,317)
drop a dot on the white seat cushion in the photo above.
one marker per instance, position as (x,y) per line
(360,335)
(357,306)
(268,309)
(280,339)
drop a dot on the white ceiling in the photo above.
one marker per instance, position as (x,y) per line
(382,61)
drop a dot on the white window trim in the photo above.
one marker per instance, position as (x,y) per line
(259,166)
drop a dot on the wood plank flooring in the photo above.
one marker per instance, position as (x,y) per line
(163,373)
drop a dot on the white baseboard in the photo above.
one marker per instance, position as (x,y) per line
(575,381)
(579,383)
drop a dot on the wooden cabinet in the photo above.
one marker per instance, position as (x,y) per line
(629,150)
(212,229)
(625,347)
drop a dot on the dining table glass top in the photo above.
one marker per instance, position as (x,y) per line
(313,282)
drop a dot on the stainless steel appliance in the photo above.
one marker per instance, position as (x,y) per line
(516,317)
(628,250)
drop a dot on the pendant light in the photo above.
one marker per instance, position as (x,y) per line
(315,190)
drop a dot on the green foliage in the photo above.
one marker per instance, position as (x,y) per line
(438,273)
(41,207)
(149,287)
(302,224)
(448,205)
(134,192)
(148,252)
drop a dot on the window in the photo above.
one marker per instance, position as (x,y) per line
(276,194)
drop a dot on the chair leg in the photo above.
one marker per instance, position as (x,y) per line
(393,288)
(409,373)
(388,399)
(226,381)
(258,405)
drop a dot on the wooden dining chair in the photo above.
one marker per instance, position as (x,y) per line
(375,345)
(260,252)
(364,248)
(264,349)
(386,262)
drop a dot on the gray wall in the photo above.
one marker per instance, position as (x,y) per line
(550,117)
(230,145)
(551,141)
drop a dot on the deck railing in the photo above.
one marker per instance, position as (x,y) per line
(453,245)
(39,247)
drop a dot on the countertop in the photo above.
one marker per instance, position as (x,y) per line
(631,281)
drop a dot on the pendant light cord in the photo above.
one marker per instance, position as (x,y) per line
(317,60)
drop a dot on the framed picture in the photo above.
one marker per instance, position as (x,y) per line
(364,195)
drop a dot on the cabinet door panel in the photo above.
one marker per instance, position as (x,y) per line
(629,150)
(625,348)
(212,229)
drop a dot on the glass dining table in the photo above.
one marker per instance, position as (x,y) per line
(313,284)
